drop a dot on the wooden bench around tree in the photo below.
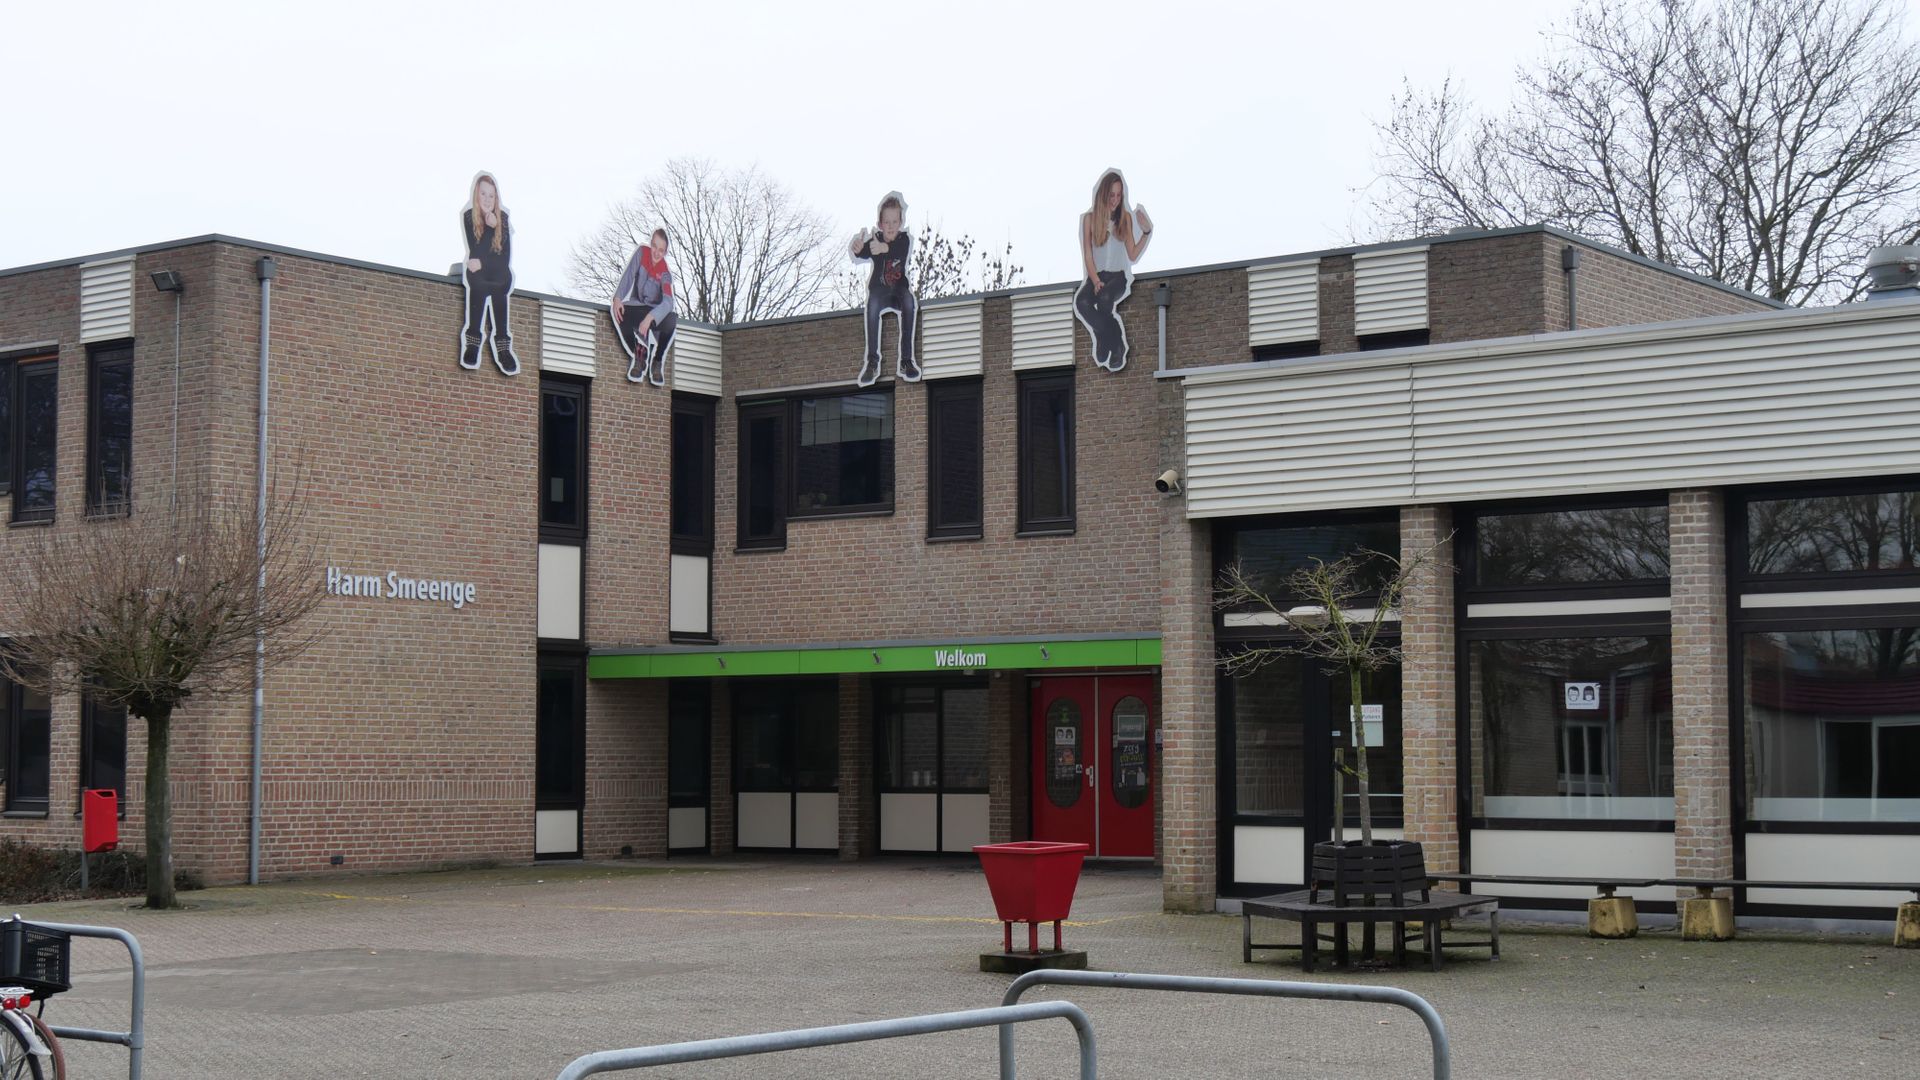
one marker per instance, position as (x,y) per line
(1300,907)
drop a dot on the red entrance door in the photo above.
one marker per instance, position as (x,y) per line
(1092,762)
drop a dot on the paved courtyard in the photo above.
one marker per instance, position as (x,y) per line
(514,972)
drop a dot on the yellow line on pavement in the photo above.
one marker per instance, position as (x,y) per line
(735,912)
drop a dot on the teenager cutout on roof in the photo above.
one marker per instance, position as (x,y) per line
(1112,239)
(643,311)
(488,276)
(889,289)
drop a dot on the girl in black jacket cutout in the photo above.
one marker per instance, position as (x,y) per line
(488,276)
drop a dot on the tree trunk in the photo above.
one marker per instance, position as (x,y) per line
(159,814)
(1356,733)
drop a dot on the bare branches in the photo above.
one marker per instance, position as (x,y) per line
(743,246)
(1337,610)
(152,609)
(1767,143)
(941,265)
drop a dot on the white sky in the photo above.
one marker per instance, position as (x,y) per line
(352,128)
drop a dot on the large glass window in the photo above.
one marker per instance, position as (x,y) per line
(1833,724)
(763,471)
(1269,726)
(954,467)
(1270,554)
(1595,545)
(110,429)
(103,748)
(563,459)
(36,405)
(933,738)
(560,737)
(1864,532)
(843,453)
(1046,453)
(786,735)
(1572,727)
(29,745)
(691,503)
(689,705)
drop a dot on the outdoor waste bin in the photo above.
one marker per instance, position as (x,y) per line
(99,820)
(1032,882)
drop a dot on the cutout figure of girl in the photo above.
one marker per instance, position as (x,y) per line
(488,276)
(643,312)
(889,289)
(1112,238)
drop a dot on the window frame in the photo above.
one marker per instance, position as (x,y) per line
(941,392)
(707,410)
(563,385)
(792,451)
(749,412)
(1741,579)
(1028,523)
(1467,553)
(90,713)
(15,371)
(17,805)
(1228,529)
(101,357)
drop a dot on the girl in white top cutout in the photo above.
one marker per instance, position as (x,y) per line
(1112,238)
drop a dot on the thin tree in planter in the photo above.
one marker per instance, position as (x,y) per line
(1340,610)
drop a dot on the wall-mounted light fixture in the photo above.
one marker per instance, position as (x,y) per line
(168,280)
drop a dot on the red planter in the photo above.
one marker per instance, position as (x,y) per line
(1032,882)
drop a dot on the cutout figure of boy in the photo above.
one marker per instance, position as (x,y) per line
(488,276)
(888,247)
(643,311)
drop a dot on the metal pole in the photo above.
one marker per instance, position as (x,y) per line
(266,270)
(1382,995)
(173,481)
(135,1037)
(641,1057)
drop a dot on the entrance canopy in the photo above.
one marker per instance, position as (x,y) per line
(958,655)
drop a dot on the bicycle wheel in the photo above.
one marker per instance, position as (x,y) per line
(16,1063)
(56,1068)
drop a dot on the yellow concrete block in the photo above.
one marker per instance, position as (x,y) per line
(1906,928)
(1612,917)
(1707,918)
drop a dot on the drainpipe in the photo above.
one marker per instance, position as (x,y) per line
(265,270)
(1163,299)
(1569,263)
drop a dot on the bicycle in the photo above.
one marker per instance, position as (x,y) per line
(28,1048)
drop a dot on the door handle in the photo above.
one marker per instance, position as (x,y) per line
(1089,777)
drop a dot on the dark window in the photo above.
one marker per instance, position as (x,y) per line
(691,507)
(103,748)
(786,735)
(1573,727)
(843,453)
(1270,554)
(1269,728)
(1833,724)
(1399,339)
(1288,350)
(963,738)
(1571,547)
(954,467)
(563,459)
(910,740)
(762,497)
(1866,532)
(1046,453)
(689,705)
(560,737)
(110,429)
(36,408)
(816,736)
(29,738)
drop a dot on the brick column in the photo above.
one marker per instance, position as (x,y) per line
(720,825)
(859,818)
(1007,778)
(1190,814)
(1703,818)
(1429,739)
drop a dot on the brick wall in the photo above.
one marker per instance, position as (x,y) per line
(1188,766)
(1428,739)
(1486,288)
(1616,291)
(1703,814)
(626,768)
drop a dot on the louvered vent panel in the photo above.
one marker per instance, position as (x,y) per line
(1043,330)
(106,299)
(1283,303)
(695,365)
(1390,291)
(950,340)
(566,337)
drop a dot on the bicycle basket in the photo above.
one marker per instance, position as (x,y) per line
(34,957)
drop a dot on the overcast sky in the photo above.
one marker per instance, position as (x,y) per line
(352,129)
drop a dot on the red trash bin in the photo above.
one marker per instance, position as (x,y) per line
(1032,882)
(99,820)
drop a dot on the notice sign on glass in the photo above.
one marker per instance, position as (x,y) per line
(1583,696)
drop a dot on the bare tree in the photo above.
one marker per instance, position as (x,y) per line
(1337,611)
(164,606)
(743,246)
(1768,144)
(942,265)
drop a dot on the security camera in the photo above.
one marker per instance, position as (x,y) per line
(1167,483)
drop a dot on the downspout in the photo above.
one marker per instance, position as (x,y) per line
(173,477)
(265,269)
(1569,263)
(1163,299)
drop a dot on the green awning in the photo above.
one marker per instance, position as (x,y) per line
(876,658)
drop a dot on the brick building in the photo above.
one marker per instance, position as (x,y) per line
(764,608)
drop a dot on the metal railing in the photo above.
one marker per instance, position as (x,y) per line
(135,1038)
(1003,1017)
(1189,984)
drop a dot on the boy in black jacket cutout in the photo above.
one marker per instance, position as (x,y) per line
(888,289)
